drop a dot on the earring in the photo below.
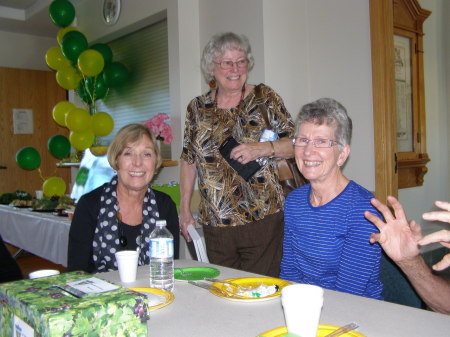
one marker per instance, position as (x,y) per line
(212,84)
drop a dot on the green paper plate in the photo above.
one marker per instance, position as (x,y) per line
(195,273)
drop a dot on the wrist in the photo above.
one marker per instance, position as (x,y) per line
(273,149)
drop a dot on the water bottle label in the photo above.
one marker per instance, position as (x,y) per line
(268,136)
(161,248)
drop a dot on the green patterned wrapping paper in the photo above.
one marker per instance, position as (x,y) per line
(52,312)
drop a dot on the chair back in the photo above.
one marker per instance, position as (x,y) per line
(200,250)
(396,286)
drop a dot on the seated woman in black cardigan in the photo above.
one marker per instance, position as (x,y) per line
(121,214)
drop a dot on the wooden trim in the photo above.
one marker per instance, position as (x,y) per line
(408,18)
(383,88)
(169,162)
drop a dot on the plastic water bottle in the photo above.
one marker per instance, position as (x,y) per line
(161,257)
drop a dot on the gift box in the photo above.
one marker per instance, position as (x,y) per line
(50,307)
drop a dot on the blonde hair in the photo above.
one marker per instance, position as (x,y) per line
(129,134)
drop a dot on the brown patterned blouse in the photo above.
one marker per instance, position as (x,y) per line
(226,198)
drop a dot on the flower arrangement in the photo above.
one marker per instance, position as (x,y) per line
(159,128)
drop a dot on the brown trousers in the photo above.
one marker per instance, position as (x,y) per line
(255,247)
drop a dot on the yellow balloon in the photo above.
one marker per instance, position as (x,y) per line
(55,59)
(60,110)
(68,78)
(82,140)
(91,62)
(78,120)
(102,124)
(54,186)
(63,32)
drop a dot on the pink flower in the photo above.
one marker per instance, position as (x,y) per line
(159,128)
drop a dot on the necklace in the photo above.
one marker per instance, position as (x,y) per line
(122,238)
(217,94)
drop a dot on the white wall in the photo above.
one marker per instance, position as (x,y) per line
(418,200)
(313,50)
(24,51)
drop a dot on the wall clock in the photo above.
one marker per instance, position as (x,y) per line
(111,11)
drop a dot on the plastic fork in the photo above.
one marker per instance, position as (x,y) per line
(216,289)
(232,284)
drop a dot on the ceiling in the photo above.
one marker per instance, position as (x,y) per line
(27,17)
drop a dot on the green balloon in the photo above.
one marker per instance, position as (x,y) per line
(82,176)
(28,158)
(92,88)
(73,44)
(104,50)
(62,12)
(59,146)
(115,74)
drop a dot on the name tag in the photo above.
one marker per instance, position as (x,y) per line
(268,136)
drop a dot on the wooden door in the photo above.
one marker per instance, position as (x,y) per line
(36,90)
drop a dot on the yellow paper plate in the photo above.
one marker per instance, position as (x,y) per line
(254,282)
(324,329)
(165,295)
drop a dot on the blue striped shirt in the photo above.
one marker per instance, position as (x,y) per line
(329,245)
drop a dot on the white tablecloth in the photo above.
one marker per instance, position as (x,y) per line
(43,234)
(196,312)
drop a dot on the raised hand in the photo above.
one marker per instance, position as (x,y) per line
(398,237)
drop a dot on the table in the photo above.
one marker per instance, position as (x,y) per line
(196,312)
(46,235)
(40,233)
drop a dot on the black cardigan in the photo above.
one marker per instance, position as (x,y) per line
(84,221)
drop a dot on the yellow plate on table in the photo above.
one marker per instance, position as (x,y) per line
(157,298)
(250,282)
(324,329)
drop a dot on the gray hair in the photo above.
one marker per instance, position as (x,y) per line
(218,45)
(330,112)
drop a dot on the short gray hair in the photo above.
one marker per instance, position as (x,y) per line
(218,45)
(330,112)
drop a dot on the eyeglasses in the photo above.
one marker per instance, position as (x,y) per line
(320,143)
(227,65)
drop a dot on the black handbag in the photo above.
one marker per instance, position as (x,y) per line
(289,176)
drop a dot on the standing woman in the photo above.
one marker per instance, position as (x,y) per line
(242,220)
(326,234)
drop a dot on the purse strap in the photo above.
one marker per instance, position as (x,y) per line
(262,107)
(284,171)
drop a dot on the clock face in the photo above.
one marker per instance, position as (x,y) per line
(111,11)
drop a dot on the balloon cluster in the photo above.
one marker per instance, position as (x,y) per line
(89,70)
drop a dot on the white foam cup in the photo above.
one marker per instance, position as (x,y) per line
(43,273)
(39,194)
(127,261)
(302,305)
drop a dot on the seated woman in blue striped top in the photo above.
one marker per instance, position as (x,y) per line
(326,234)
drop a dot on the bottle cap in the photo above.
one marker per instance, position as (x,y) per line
(161,223)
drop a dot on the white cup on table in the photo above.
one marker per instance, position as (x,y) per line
(302,305)
(127,261)
(39,194)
